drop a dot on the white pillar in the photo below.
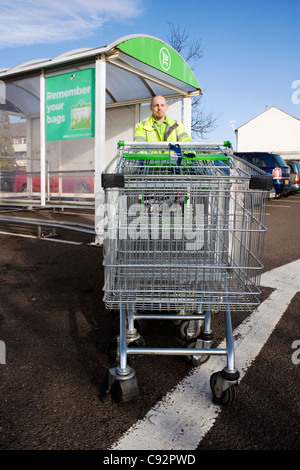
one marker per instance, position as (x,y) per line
(187,114)
(42,139)
(99,157)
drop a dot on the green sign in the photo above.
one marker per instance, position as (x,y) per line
(70,105)
(160,56)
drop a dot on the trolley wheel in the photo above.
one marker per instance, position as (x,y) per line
(195,360)
(124,390)
(140,325)
(227,396)
(183,329)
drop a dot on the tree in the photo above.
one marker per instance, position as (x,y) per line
(6,146)
(192,51)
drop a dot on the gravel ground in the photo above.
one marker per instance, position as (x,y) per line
(56,332)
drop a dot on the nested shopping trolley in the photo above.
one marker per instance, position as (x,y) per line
(183,239)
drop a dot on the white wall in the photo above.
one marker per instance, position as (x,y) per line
(272,131)
(120,125)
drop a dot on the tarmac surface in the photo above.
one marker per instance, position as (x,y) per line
(56,333)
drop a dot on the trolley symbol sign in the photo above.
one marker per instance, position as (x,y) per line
(165,58)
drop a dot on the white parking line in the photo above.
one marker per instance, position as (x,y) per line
(182,418)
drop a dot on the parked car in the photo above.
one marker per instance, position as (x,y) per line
(274,165)
(70,183)
(295,174)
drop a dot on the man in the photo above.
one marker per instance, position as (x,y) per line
(158,127)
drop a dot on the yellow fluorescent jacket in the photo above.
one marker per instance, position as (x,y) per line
(146,131)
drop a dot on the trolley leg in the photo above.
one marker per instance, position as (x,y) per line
(207,322)
(123,369)
(223,384)
(122,382)
(230,369)
(133,337)
(132,333)
(202,341)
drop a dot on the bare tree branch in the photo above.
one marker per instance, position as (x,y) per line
(179,38)
(192,51)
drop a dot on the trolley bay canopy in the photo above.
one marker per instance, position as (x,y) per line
(77,106)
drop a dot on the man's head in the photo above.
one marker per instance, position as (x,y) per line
(159,107)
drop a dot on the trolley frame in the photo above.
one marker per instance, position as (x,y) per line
(233,195)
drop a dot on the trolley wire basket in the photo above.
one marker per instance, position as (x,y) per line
(183,239)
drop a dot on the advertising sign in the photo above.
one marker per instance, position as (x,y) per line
(70,105)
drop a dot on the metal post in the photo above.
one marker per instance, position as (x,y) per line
(42,139)
(187,114)
(229,343)
(99,157)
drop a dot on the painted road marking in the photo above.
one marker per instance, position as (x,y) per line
(182,418)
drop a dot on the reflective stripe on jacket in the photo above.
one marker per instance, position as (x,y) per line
(146,131)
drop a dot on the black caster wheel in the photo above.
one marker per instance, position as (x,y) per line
(183,329)
(123,390)
(223,397)
(195,360)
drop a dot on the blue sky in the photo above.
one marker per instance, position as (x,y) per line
(251,48)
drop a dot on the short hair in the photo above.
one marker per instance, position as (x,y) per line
(156,97)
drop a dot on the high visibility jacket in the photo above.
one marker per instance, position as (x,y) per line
(146,131)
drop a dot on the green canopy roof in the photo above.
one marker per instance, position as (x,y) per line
(137,68)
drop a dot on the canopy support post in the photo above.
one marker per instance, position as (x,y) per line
(42,138)
(187,114)
(100,111)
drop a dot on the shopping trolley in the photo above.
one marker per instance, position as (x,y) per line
(183,239)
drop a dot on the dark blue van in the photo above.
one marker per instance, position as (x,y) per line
(274,165)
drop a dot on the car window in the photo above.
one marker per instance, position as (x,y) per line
(279,160)
(260,162)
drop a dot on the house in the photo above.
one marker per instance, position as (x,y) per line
(272,131)
(18,134)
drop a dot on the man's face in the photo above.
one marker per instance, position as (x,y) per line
(159,108)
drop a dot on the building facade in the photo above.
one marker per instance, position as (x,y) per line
(272,131)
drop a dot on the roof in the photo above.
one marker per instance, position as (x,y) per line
(137,68)
(272,108)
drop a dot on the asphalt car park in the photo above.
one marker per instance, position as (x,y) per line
(56,330)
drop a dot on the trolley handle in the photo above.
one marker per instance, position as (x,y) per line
(226,143)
